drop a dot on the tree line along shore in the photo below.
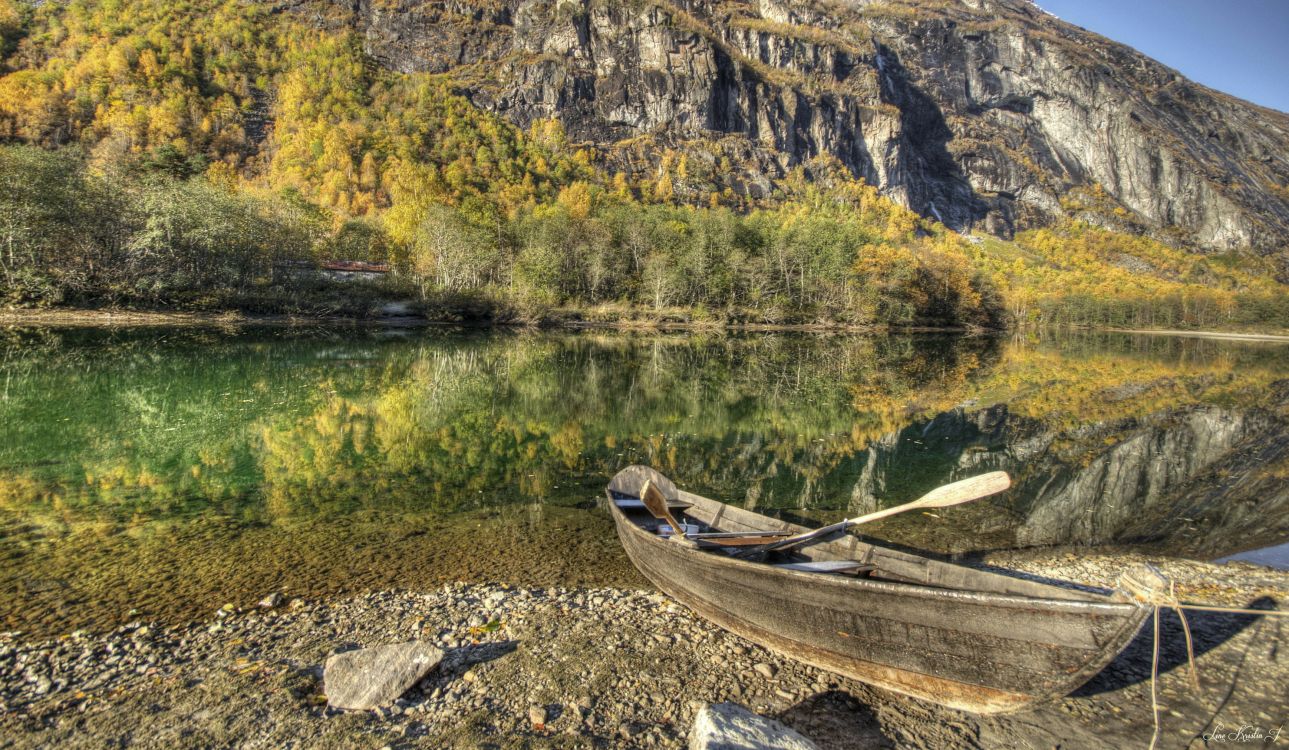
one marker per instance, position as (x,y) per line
(142,235)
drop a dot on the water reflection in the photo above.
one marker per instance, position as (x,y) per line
(1167,444)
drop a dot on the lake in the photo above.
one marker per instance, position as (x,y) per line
(159,473)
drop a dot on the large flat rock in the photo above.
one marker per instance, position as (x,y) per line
(373,677)
(729,726)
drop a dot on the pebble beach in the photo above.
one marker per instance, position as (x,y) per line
(601,667)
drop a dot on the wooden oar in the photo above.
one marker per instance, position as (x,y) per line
(942,497)
(656,504)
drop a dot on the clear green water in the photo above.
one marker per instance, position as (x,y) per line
(163,472)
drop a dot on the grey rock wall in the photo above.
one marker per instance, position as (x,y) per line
(982,114)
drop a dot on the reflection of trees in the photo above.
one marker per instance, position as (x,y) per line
(283,425)
(320,459)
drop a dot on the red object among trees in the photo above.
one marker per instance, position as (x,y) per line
(354,266)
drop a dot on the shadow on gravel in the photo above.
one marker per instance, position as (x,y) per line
(836,720)
(460,660)
(1208,630)
(456,663)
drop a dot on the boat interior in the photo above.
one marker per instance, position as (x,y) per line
(723,529)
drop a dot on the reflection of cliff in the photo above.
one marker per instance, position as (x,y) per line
(1121,492)
(1205,479)
(912,460)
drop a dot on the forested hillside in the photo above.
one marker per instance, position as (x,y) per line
(177,154)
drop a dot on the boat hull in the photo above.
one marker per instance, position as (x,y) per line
(970,650)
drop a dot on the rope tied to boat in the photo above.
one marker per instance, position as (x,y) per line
(1148,585)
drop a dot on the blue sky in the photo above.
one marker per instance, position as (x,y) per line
(1237,46)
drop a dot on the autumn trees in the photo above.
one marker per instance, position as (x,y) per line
(1077,274)
(818,259)
(71,234)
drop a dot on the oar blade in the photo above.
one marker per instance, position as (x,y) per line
(656,503)
(966,490)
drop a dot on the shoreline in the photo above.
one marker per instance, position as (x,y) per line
(95,318)
(1220,335)
(91,318)
(112,318)
(607,667)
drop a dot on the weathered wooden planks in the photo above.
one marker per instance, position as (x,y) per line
(970,639)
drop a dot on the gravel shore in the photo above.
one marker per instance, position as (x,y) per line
(601,668)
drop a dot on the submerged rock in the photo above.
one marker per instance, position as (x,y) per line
(729,726)
(371,677)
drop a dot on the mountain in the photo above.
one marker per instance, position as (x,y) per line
(988,115)
(766,162)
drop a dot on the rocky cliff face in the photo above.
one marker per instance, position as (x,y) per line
(984,114)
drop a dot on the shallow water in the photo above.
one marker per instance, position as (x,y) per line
(160,473)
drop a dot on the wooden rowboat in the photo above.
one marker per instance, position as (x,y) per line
(970,639)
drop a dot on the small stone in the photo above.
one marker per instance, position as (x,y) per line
(270,601)
(470,676)
(627,730)
(537,715)
(765,670)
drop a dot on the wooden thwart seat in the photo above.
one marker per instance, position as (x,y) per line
(739,534)
(826,566)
